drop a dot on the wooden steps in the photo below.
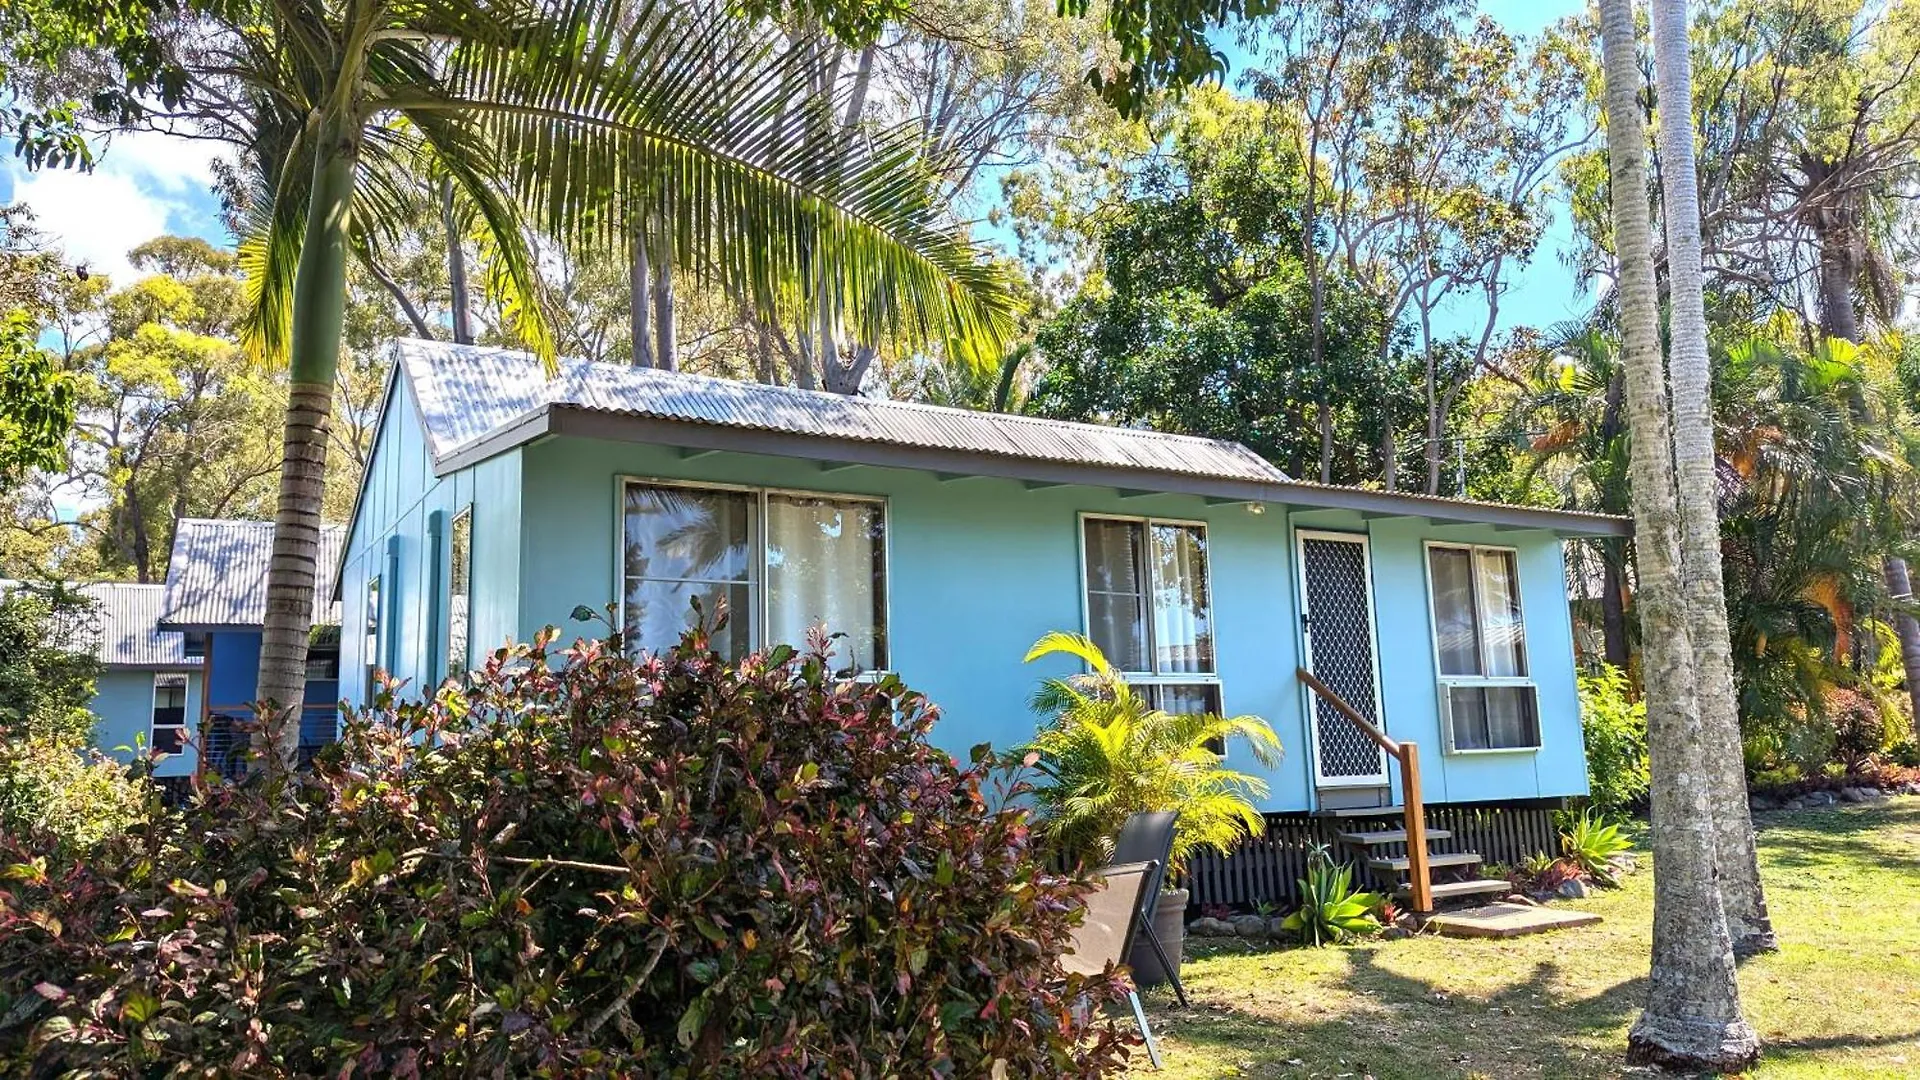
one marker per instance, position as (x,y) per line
(1389,836)
(1453,890)
(1361,812)
(1400,864)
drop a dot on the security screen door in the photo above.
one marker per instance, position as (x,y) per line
(1336,586)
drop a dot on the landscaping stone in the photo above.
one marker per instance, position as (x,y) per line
(1852,795)
(1395,933)
(1819,798)
(1205,927)
(1795,804)
(1520,898)
(1249,926)
(1625,863)
(1573,889)
(1276,926)
(1912,788)
(1761,803)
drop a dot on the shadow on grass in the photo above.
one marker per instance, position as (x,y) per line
(1803,839)
(1406,1027)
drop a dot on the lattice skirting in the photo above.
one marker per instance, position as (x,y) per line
(1267,870)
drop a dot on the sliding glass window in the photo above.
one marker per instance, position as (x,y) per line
(781,564)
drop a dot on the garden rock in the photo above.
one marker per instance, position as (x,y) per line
(1277,926)
(1761,803)
(1249,926)
(1852,795)
(1819,798)
(1395,933)
(1912,787)
(1209,927)
(1795,804)
(1573,889)
(1624,863)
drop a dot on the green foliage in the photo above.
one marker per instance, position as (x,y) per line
(36,400)
(1201,321)
(1589,841)
(1614,727)
(53,785)
(67,797)
(575,864)
(1106,754)
(1331,909)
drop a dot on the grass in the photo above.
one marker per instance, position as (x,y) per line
(1841,999)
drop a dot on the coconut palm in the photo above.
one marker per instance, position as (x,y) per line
(1694,464)
(1692,1018)
(590,120)
(1107,753)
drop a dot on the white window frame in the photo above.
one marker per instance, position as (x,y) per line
(373,601)
(153,708)
(757,565)
(1445,684)
(1150,679)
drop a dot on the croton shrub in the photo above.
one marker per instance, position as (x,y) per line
(574,864)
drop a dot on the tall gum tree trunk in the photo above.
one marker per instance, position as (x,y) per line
(319,307)
(461,292)
(1741,895)
(1692,1018)
(640,305)
(665,355)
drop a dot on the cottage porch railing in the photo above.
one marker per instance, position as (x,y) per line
(1414,811)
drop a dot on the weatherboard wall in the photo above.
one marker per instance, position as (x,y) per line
(123,701)
(394,538)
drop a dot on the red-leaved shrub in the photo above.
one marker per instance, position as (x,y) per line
(673,867)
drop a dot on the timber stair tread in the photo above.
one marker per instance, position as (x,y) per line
(1400,863)
(1360,812)
(1390,836)
(1449,890)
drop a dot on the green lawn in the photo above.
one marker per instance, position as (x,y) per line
(1840,999)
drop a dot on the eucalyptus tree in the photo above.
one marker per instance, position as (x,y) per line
(1692,1019)
(1696,468)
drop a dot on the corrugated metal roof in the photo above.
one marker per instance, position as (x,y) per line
(130,635)
(467,392)
(217,574)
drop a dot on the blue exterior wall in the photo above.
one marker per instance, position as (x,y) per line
(1409,679)
(233,676)
(391,537)
(123,700)
(978,569)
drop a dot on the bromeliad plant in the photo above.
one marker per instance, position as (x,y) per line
(1331,909)
(1107,753)
(1590,842)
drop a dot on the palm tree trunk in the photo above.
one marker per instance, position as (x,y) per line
(319,307)
(640,306)
(1907,628)
(462,293)
(1741,894)
(1692,1019)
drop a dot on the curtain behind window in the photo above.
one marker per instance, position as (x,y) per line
(1505,635)
(1116,591)
(826,564)
(1453,610)
(1182,616)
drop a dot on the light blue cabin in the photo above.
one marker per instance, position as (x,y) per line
(940,543)
(150,682)
(215,599)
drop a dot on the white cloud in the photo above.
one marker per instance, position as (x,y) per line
(145,185)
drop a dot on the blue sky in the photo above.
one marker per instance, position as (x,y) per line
(148,185)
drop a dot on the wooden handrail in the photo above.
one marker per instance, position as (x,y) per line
(1413,811)
(1390,745)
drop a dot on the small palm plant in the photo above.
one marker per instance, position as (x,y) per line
(1331,910)
(1107,753)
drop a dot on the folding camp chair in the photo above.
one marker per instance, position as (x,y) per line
(1148,837)
(1103,937)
